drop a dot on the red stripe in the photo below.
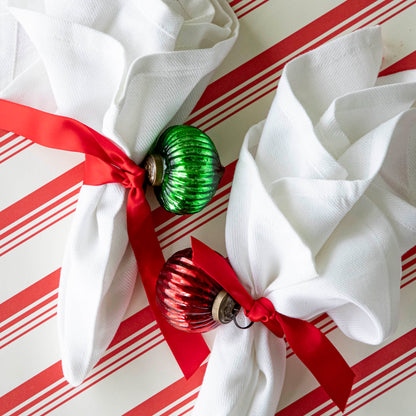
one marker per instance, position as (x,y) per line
(244,98)
(405,276)
(265,76)
(132,341)
(241,107)
(9,139)
(42,397)
(54,214)
(133,324)
(29,295)
(236,10)
(406,63)
(395,14)
(363,369)
(196,218)
(322,328)
(38,231)
(78,391)
(367,366)
(53,374)
(97,381)
(384,13)
(367,383)
(371,381)
(168,395)
(412,251)
(281,50)
(253,8)
(188,400)
(31,387)
(41,196)
(410,264)
(194,228)
(275,70)
(377,387)
(39,213)
(408,282)
(26,314)
(16,152)
(234,3)
(32,327)
(188,410)
(23,139)
(383,391)
(318,319)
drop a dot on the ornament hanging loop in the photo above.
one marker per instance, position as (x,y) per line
(239,326)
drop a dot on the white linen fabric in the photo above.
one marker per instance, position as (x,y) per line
(322,207)
(127,68)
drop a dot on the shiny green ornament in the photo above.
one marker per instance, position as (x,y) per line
(184,169)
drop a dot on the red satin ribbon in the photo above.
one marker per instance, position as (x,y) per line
(312,347)
(106,163)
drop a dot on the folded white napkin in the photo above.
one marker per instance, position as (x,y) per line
(127,68)
(321,209)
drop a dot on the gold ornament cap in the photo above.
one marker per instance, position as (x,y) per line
(224,308)
(155,168)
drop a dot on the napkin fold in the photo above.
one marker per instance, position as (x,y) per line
(322,207)
(128,69)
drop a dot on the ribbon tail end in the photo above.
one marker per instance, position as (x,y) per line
(193,364)
(343,393)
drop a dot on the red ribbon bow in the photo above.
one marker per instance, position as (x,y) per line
(312,347)
(106,163)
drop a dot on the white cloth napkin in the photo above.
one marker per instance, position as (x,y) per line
(321,209)
(127,68)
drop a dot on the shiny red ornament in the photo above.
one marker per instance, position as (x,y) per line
(188,297)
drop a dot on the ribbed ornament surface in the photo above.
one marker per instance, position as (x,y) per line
(192,169)
(185,294)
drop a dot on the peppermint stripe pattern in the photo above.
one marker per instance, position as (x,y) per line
(37,213)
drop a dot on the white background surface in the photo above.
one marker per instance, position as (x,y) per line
(24,362)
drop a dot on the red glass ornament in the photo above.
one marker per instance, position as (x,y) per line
(186,296)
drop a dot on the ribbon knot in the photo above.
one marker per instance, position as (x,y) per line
(262,310)
(134,179)
(312,347)
(105,163)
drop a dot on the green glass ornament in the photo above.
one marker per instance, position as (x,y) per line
(185,169)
